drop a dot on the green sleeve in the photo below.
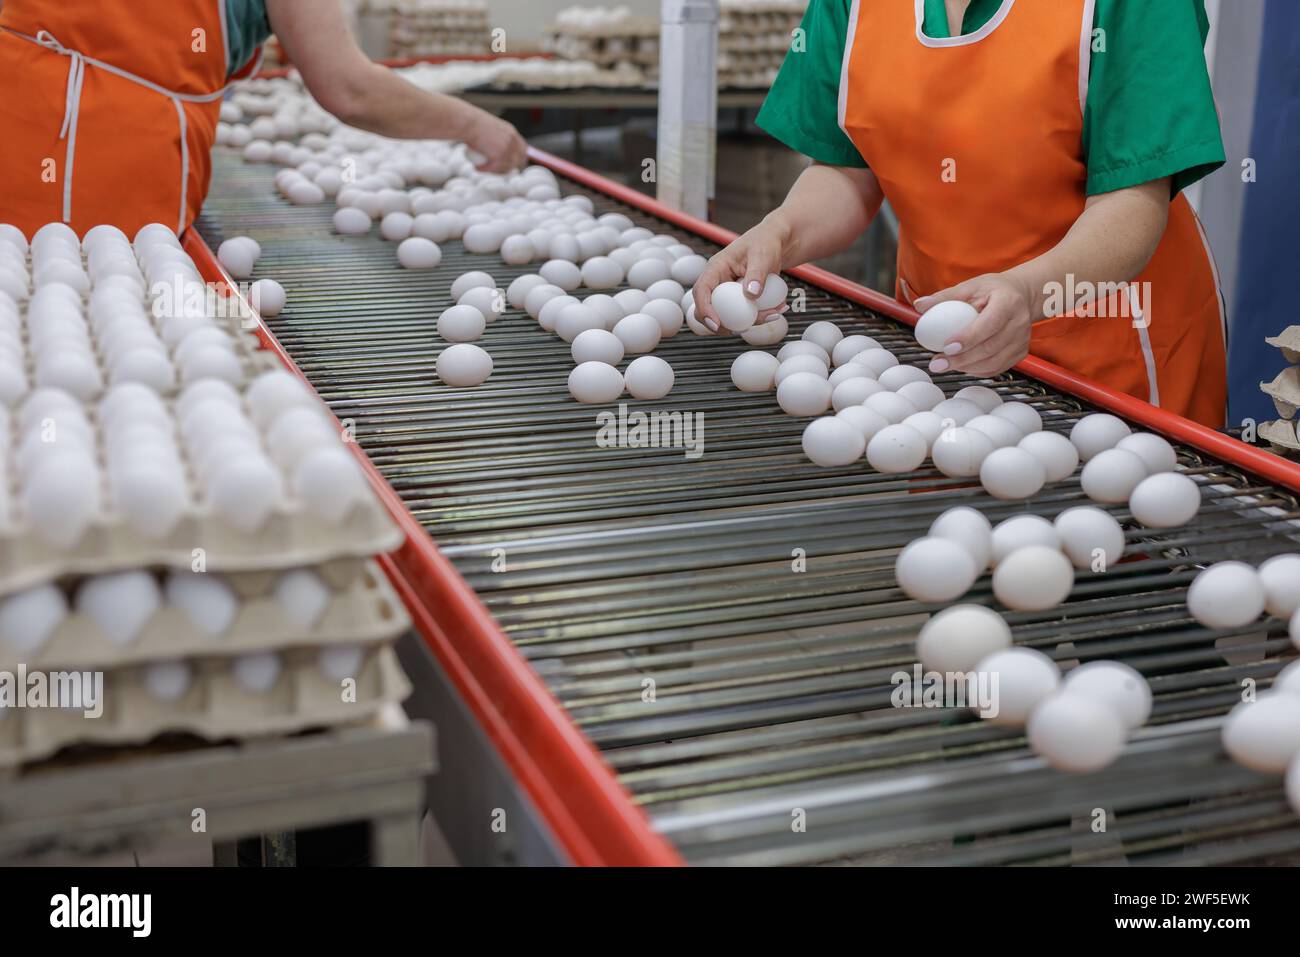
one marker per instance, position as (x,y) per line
(247,28)
(1150,109)
(802,108)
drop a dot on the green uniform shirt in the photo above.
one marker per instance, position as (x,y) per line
(247,28)
(1149,113)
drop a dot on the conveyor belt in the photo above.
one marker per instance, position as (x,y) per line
(755,590)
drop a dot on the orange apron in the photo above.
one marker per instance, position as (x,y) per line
(977,142)
(109,111)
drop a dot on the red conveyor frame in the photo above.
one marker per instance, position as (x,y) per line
(589,812)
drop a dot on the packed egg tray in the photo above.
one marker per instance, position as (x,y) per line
(215,707)
(359,608)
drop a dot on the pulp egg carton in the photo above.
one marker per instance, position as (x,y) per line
(1282,435)
(252,480)
(108,621)
(84,315)
(1284,390)
(216,699)
(1288,340)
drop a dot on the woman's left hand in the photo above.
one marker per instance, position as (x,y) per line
(999,336)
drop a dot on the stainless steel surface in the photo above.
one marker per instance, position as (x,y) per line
(756,590)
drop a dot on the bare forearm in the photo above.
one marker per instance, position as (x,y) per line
(382,102)
(826,210)
(1111,242)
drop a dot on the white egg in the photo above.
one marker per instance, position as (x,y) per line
(1090,537)
(483,238)
(167,680)
(736,311)
(258,672)
(601,272)
(1158,454)
(1074,733)
(61,497)
(1287,680)
(237,257)
(754,371)
(935,570)
(538,297)
(773,294)
(877,360)
(207,600)
(850,346)
(563,246)
(212,362)
(1021,678)
(648,377)
(1111,475)
(957,639)
(638,332)
(121,603)
(1054,452)
(1264,735)
(1003,433)
(597,345)
(267,297)
(896,448)
(340,662)
(645,272)
(463,364)
(1096,433)
(803,348)
(417,252)
(595,383)
(890,405)
(29,618)
(987,399)
(1280,576)
(245,491)
(270,394)
(469,280)
(1021,531)
(927,423)
(631,300)
(519,288)
(832,442)
(863,419)
(517,250)
(1226,595)
(960,452)
(1033,578)
(1165,500)
(768,332)
(562,273)
(1024,417)
(486,299)
(852,371)
(350,221)
(461,323)
(895,377)
(824,334)
(968,528)
(924,395)
(665,312)
(960,411)
(330,483)
(804,393)
(687,269)
(1119,686)
(942,321)
(548,317)
(1011,473)
(303,596)
(801,363)
(668,289)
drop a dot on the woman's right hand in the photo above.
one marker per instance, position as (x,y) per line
(750,258)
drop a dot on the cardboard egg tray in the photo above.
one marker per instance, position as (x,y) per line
(1284,390)
(362,610)
(1282,435)
(215,707)
(1288,340)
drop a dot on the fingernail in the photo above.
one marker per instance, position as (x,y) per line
(939,365)
(754,287)
(952,348)
(713,326)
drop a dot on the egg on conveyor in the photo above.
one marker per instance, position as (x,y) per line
(734,309)
(981,395)
(927,423)
(935,570)
(350,221)
(29,618)
(638,332)
(1090,537)
(1094,434)
(824,334)
(960,411)
(688,269)
(957,639)
(486,299)
(1158,454)
(896,448)
(597,345)
(863,419)
(1003,433)
(601,272)
(1075,733)
(517,250)
(1024,678)
(1021,531)
(238,257)
(832,442)
(806,393)
(853,391)
(208,602)
(1280,576)
(463,364)
(1054,451)
(595,383)
(754,371)
(890,405)
(895,377)
(960,452)
(1119,686)
(942,321)
(968,528)
(1264,734)
(120,603)
(519,288)
(1165,500)
(847,348)
(469,280)
(419,253)
(925,396)
(648,377)
(1111,475)
(267,297)
(1226,595)
(548,317)
(1012,473)
(801,347)
(1024,417)
(665,312)
(876,360)
(461,323)
(1033,578)
(768,332)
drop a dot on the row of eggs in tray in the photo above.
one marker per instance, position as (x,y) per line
(116,319)
(245,454)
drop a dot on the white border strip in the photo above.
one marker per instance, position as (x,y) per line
(849,35)
(965,39)
(1085,51)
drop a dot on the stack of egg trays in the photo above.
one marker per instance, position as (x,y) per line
(1283,433)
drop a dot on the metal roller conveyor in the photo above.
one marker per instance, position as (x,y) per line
(754,592)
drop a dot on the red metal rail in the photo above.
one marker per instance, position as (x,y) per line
(590,814)
(1258,462)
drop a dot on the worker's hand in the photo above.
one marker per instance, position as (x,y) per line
(999,336)
(499,143)
(750,258)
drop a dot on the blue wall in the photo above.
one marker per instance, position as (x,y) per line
(1269,267)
